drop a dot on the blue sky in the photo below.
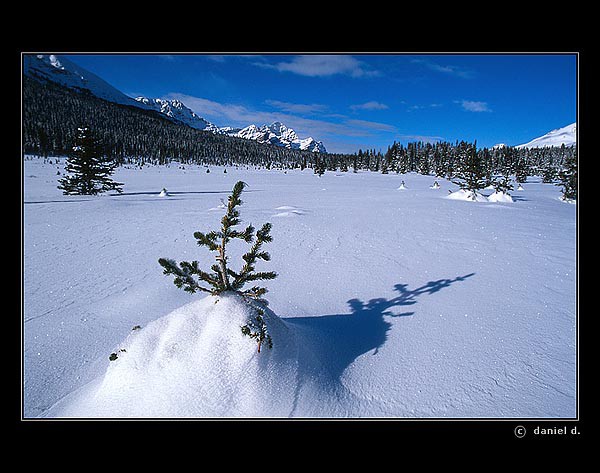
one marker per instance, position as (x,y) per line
(362,101)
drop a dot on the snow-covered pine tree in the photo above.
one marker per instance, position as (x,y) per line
(88,172)
(470,176)
(521,170)
(548,173)
(503,184)
(568,177)
(191,278)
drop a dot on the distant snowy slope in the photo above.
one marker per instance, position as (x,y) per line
(59,69)
(177,110)
(566,135)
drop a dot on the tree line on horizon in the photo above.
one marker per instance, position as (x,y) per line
(52,114)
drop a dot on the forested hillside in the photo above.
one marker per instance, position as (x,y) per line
(52,114)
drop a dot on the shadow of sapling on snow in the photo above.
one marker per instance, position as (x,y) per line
(337,340)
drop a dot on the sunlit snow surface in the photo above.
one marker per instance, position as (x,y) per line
(392,304)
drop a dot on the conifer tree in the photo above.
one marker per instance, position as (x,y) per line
(88,173)
(503,184)
(319,167)
(549,173)
(521,171)
(471,175)
(568,177)
(191,278)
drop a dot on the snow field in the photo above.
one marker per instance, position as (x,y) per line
(398,304)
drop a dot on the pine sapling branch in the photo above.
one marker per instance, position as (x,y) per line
(189,277)
(257,329)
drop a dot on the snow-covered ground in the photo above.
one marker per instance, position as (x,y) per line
(395,303)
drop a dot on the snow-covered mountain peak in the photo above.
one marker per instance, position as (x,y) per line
(60,70)
(276,133)
(280,135)
(176,109)
(283,132)
(52,60)
(566,135)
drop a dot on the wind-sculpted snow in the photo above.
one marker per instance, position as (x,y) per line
(195,362)
(388,303)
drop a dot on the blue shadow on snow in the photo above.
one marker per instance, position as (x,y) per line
(340,339)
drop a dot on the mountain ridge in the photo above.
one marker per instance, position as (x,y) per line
(60,70)
(280,135)
(177,110)
(276,133)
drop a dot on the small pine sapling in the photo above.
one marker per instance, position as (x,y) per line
(190,278)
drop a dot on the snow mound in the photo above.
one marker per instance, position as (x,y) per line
(500,197)
(469,196)
(195,362)
(288,211)
(292,213)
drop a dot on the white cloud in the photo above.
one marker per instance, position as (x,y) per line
(230,114)
(224,114)
(423,107)
(371,125)
(323,66)
(372,105)
(297,107)
(445,68)
(474,106)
